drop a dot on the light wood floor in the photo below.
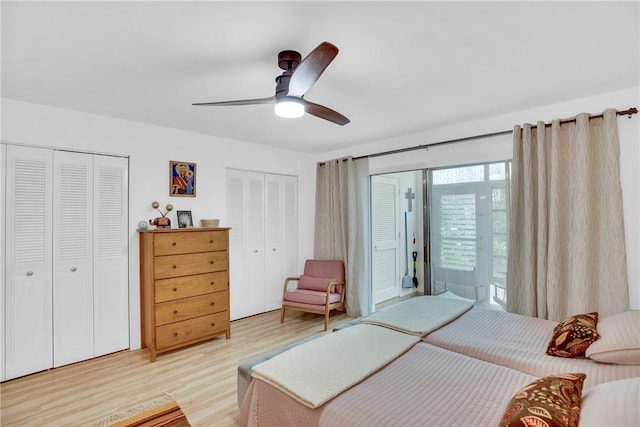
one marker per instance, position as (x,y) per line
(201,378)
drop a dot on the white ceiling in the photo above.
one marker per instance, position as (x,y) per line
(403,67)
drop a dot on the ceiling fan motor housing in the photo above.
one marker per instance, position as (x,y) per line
(288,60)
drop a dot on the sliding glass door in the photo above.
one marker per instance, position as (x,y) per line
(456,227)
(468,230)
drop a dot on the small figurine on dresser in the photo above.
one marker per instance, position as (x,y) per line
(161,222)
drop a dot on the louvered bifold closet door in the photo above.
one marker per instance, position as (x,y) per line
(28,262)
(281,235)
(245,213)
(274,276)
(386,238)
(73,265)
(110,254)
(290,226)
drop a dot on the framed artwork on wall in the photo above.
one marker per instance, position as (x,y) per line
(182,179)
(184,219)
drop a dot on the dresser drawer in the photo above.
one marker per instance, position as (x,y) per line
(184,265)
(190,286)
(190,242)
(187,308)
(191,330)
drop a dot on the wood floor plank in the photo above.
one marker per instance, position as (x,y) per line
(201,378)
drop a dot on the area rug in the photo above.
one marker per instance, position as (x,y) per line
(159,412)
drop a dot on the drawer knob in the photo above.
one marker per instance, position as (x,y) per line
(210,262)
(211,241)
(175,266)
(213,283)
(175,334)
(213,303)
(175,289)
(213,323)
(173,244)
(175,311)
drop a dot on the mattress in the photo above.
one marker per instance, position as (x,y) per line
(426,386)
(519,342)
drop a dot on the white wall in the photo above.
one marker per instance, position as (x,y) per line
(149,149)
(500,148)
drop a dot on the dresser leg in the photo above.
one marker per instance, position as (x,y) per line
(228,333)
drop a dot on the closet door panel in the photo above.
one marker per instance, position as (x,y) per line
(245,213)
(239,291)
(110,255)
(254,241)
(28,262)
(72,268)
(290,226)
(274,275)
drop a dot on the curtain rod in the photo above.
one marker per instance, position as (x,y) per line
(628,112)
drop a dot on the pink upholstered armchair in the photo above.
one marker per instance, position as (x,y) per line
(320,289)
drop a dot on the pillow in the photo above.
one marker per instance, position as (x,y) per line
(572,336)
(613,403)
(619,341)
(547,402)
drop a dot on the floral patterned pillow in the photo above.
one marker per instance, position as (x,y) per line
(572,336)
(548,402)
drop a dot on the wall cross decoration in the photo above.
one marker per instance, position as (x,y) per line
(409,195)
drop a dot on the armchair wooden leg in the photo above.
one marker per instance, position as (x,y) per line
(282,315)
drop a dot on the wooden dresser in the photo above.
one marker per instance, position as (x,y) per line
(184,287)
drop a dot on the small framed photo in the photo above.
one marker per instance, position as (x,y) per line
(182,179)
(184,219)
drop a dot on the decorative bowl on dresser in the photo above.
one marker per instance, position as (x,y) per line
(184,287)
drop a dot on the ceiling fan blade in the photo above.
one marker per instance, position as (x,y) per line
(325,113)
(310,69)
(269,100)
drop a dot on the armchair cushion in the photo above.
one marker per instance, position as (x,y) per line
(315,283)
(324,268)
(306,296)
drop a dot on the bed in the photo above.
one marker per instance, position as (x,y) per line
(461,370)
(519,342)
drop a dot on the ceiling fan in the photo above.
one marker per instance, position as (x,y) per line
(298,77)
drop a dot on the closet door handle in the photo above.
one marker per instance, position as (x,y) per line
(29,273)
(73,269)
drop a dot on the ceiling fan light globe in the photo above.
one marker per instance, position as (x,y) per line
(289,108)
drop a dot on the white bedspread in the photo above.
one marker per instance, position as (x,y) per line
(420,315)
(316,371)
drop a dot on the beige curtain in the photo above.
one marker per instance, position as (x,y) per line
(341,225)
(566,231)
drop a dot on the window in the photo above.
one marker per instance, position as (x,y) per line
(468,227)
